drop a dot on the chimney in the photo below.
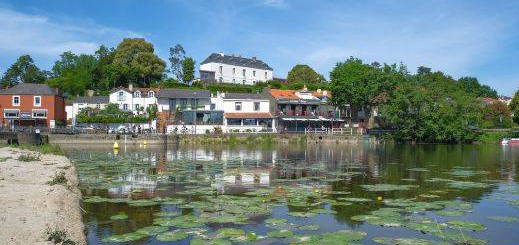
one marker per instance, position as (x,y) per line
(90,93)
(130,87)
(319,90)
(221,54)
(254,58)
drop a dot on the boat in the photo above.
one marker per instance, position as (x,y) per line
(509,141)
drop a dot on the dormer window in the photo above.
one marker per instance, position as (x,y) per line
(151,94)
(137,94)
(120,96)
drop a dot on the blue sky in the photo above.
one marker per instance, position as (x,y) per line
(462,38)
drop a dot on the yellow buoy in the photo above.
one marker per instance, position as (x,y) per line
(379,198)
(116,146)
(145,143)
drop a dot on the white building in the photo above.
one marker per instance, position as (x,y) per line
(136,100)
(222,68)
(245,112)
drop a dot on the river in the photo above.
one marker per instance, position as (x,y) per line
(300,194)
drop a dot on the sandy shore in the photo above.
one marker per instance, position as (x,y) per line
(29,205)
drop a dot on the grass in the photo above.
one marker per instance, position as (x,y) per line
(28,158)
(232,139)
(43,149)
(58,237)
(58,179)
(496,137)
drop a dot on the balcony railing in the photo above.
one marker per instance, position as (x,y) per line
(306,114)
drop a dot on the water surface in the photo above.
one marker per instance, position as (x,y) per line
(286,194)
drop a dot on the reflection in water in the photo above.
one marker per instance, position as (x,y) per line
(171,171)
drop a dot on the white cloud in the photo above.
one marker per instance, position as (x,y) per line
(275,3)
(44,37)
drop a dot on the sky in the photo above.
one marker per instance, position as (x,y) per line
(477,38)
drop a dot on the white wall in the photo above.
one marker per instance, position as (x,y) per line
(228,76)
(128,98)
(247,106)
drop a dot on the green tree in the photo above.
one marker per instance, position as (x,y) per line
(514,107)
(473,86)
(73,74)
(102,74)
(304,74)
(23,71)
(135,62)
(362,85)
(430,107)
(188,70)
(176,58)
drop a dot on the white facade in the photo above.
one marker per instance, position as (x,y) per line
(136,101)
(243,105)
(227,73)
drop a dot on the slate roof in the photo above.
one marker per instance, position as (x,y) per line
(184,93)
(244,96)
(92,99)
(30,88)
(236,61)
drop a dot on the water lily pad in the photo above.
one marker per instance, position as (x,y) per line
(302,214)
(402,241)
(354,199)
(418,169)
(128,237)
(388,187)
(167,214)
(172,236)
(466,225)
(309,227)
(504,218)
(152,230)
(119,216)
(185,221)
(463,185)
(230,233)
(280,233)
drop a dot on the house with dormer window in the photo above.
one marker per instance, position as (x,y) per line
(222,68)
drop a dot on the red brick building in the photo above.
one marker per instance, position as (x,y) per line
(28,104)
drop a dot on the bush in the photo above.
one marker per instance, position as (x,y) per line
(58,179)
(28,158)
(58,237)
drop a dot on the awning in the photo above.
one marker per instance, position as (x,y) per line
(248,115)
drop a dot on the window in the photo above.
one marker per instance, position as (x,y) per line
(250,122)
(213,106)
(265,75)
(194,104)
(220,79)
(237,106)
(183,103)
(137,94)
(243,81)
(234,70)
(16,100)
(137,106)
(232,121)
(233,80)
(120,96)
(254,73)
(39,113)
(256,106)
(125,107)
(37,100)
(151,94)
(98,106)
(11,113)
(243,72)
(221,69)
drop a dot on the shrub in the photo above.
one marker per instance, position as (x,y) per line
(58,237)
(58,179)
(28,158)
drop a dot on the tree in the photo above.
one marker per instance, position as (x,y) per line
(188,69)
(135,62)
(430,107)
(176,57)
(23,71)
(102,74)
(497,115)
(363,86)
(73,74)
(304,74)
(473,86)
(514,107)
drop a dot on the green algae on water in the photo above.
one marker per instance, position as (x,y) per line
(119,216)
(172,236)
